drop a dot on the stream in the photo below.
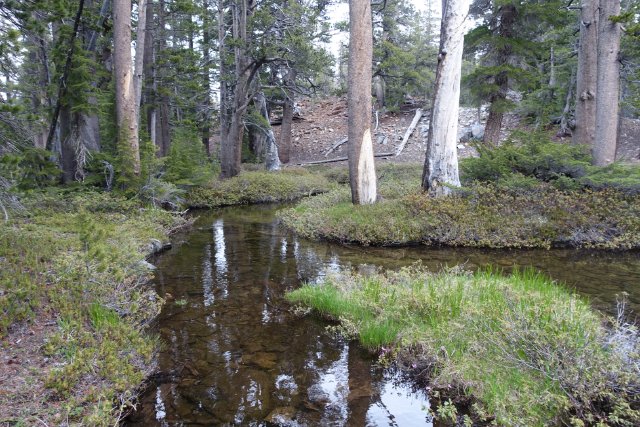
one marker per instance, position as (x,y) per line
(232,353)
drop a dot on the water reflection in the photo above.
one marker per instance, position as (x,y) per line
(221,258)
(234,355)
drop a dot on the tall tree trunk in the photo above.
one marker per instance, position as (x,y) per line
(441,163)
(362,174)
(608,89)
(67,145)
(492,130)
(162,132)
(271,160)
(62,86)
(206,77)
(141,38)
(287,116)
(237,95)
(150,83)
(585,130)
(125,98)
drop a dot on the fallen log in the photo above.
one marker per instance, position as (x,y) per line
(336,145)
(409,131)
(340,159)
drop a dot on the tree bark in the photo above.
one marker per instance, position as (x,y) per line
(608,89)
(287,117)
(441,163)
(125,98)
(141,38)
(492,130)
(162,132)
(236,95)
(585,130)
(362,174)
(150,83)
(206,77)
(271,159)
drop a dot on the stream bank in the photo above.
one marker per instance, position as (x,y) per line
(76,307)
(234,353)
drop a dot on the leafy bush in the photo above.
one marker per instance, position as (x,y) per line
(535,156)
(532,155)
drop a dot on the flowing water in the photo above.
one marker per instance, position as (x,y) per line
(234,355)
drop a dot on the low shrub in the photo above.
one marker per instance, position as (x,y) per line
(258,187)
(76,257)
(531,352)
(501,215)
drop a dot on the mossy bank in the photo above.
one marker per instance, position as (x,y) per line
(74,305)
(532,194)
(252,187)
(516,350)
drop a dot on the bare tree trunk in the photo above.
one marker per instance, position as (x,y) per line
(287,117)
(237,96)
(125,99)
(162,132)
(565,129)
(608,89)
(441,163)
(141,38)
(379,90)
(67,149)
(206,58)
(362,173)
(271,160)
(585,130)
(150,83)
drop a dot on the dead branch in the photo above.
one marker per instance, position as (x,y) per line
(409,131)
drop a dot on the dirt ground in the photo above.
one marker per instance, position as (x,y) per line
(323,122)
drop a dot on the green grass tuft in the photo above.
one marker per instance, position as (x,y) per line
(529,350)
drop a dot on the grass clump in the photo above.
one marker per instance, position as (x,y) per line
(73,259)
(531,352)
(252,187)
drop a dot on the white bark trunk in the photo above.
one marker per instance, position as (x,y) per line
(608,90)
(441,163)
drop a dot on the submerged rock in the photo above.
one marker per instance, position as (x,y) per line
(284,415)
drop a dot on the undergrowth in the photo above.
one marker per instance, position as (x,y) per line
(528,350)
(533,194)
(481,215)
(76,257)
(252,187)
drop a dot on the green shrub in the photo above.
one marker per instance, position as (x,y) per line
(258,187)
(187,162)
(31,168)
(529,154)
(515,212)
